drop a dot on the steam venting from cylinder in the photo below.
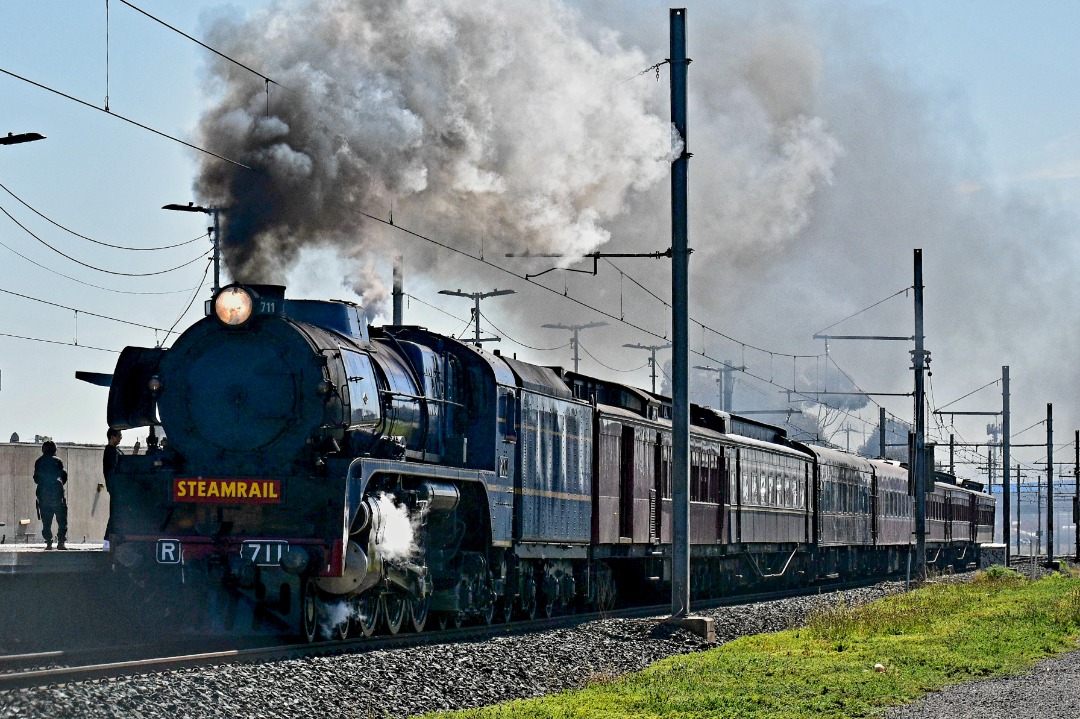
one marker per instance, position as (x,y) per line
(385,543)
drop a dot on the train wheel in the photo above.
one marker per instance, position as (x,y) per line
(487,614)
(309,610)
(395,609)
(366,614)
(505,611)
(547,599)
(528,598)
(547,607)
(418,614)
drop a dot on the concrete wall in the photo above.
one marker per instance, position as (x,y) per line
(88,507)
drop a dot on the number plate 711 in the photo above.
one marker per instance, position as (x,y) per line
(264,554)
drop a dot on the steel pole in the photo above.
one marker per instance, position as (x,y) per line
(652,367)
(1038,514)
(729,386)
(1076,500)
(1049,482)
(1018,479)
(881,430)
(918,462)
(476,315)
(1005,448)
(680,270)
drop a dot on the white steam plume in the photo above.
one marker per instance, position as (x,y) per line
(395,540)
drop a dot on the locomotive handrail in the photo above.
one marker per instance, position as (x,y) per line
(433,400)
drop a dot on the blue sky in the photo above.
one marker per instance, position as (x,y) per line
(1004,71)
(1014,66)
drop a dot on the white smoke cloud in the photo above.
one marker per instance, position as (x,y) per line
(494,121)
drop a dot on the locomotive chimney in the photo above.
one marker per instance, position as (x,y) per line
(398,292)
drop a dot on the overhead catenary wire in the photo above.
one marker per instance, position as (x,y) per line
(978,389)
(90,284)
(865,309)
(28,231)
(91,239)
(194,294)
(597,310)
(204,45)
(85,312)
(58,342)
(607,366)
(519,343)
(706,327)
(437,309)
(122,117)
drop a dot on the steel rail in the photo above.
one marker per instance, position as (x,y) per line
(276,651)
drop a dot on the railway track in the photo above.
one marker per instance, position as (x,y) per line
(61,667)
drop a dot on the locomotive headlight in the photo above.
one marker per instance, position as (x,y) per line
(154,385)
(233,306)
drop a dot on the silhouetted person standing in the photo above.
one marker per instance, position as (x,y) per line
(109,461)
(50,477)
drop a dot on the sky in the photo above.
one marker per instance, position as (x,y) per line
(829,140)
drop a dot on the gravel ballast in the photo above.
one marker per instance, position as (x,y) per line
(402,682)
(1047,691)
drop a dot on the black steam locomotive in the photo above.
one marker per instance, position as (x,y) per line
(350,477)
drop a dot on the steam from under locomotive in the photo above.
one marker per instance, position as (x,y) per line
(397,533)
(497,119)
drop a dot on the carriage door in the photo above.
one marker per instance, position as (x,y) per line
(738,494)
(720,485)
(656,494)
(626,483)
(874,508)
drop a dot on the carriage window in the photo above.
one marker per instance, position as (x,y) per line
(363,389)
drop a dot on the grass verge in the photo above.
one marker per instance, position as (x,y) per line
(926,639)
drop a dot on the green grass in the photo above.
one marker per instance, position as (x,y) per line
(926,639)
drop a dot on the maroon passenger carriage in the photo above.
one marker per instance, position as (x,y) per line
(763,509)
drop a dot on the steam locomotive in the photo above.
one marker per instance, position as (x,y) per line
(344,478)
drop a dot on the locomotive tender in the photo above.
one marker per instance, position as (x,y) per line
(315,464)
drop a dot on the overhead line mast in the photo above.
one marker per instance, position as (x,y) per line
(680,298)
(476,297)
